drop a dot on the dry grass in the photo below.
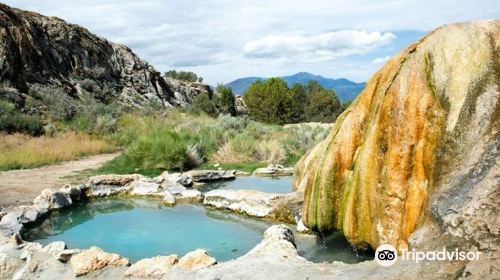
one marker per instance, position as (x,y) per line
(22,151)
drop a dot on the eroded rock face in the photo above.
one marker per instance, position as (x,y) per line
(94,259)
(152,268)
(43,53)
(422,136)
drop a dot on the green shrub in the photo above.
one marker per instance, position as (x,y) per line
(203,104)
(11,120)
(227,105)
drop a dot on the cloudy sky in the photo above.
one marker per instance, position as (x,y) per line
(223,40)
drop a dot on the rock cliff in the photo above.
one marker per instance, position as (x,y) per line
(43,53)
(418,149)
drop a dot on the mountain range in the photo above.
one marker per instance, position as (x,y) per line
(346,90)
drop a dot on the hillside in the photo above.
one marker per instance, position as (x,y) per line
(39,54)
(346,90)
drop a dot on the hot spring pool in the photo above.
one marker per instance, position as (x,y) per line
(281,184)
(143,228)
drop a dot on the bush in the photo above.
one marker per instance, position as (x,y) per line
(162,149)
(227,105)
(323,106)
(272,101)
(187,76)
(11,120)
(203,104)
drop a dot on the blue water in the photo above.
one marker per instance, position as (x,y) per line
(142,228)
(264,184)
(138,229)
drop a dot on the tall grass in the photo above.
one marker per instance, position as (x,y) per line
(22,151)
(178,141)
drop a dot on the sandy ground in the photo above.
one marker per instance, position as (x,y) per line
(22,186)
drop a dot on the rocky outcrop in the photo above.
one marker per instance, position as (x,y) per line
(94,259)
(39,54)
(419,145)
(273,206)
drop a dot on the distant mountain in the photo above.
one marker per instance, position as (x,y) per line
(346,90)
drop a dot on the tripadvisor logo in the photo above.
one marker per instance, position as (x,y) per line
(387,255)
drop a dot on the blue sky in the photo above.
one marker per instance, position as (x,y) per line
(223,40)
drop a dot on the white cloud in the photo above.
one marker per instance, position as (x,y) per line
(211,36)
(320,47)
(380,60)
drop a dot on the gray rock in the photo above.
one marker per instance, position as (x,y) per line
(189,196)
(53,199)
(141,187)
(210,175)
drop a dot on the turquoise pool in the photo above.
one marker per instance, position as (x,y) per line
(143,228)
(264,184)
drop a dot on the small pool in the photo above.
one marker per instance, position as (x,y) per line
(139,228)
(281,184)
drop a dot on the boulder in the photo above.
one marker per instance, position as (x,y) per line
(210,175)
(94,259)
(196,259)
(274,170)
(51,199)
(12,222)
(140,187)
(155,267)
(189,196)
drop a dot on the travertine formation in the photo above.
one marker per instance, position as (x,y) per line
(419,145)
